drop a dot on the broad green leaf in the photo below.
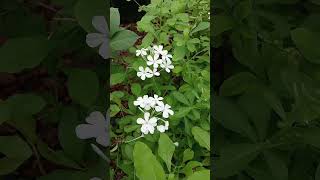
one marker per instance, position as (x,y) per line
(183,111)
(237,84)
(187,155)
(146,165)
(243,9)
(83,86)
(202,137)
(277,165)
(258,111)
(85,10)
(189,168)
(230,115)
(306,42)
(18,54)
(221,24)
(203,175)
(123,40)
(71,144)
(234,158)
(56,157)
(15,152)
(136,89)
(114,21)
(117,78)
(180,97)
(275,103)
(201,26)
(166,149)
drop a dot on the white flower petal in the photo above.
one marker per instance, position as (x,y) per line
(100,23)
(96,118)
(95,39)
(104,50)
(144,129)
(141,121)
(161,128)
(150,129)
(86,131)
(153,120)
(103,140)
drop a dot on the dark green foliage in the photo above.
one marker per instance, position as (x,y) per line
(266,78)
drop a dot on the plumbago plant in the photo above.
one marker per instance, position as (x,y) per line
(160,95)
(266,103)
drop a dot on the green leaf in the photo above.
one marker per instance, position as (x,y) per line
(71,144)
(85,10)
(15,150)
(22,53)
(146,165)
(257,109)
(277,166)
(203,175)
(243,9)
(57,157)
(230,115)
(274,102)
(306,42)
(183,111)
(180,97)
(237,84)
(189,168)
(221,24)
(201,26)
(114,110)
(136,89)
(123,40)
(166,149)
(114,21)
(83,86)
(234,158)
(187,155)
(117,78)
(202,137)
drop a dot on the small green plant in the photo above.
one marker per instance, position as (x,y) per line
(169,65)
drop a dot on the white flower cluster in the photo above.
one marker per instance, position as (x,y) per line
(155,57)
(150,121)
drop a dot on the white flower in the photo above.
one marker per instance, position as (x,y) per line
(99,39)
(157,99)
(158,49)
(167,65)
(138,102)
(155,72)
(144,73)
(163,128)
(148,102)
(165,109)
(145,102)
(141,52)
(165,56)
(147,123)
(155,61)
(176,144)
(96,128)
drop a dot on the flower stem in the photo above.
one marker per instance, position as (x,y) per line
(134,139)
